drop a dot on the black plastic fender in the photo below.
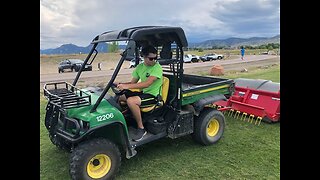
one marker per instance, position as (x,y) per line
(198,105)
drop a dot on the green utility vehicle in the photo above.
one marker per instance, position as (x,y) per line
(97,131)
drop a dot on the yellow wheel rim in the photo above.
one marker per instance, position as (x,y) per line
(213,127)
(99,166)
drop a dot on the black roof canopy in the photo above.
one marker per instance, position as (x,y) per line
(157,35)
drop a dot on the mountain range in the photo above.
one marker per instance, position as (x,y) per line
(235,42)
(229,42)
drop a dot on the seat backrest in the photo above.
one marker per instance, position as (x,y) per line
(166,52)
(165,90)
(165,55)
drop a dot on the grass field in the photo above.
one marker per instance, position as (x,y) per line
(246,151)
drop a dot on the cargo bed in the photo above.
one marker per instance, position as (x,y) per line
(197,87)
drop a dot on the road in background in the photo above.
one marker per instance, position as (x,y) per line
(189,68)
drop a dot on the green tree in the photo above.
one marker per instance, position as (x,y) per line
(270,47)
(113,47)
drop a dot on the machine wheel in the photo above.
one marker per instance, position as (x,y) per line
(208,127)
(95,159)
(268,120)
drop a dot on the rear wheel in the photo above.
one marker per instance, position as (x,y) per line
(75,68)
(95,159)
(208,127)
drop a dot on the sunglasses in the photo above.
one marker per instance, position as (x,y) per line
(152,58)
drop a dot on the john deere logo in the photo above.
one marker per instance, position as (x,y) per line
(147,75)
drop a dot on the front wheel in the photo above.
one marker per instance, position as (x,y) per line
(208,127)
(60,143)
(95,159)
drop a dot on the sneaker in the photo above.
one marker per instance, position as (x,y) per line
(140,133)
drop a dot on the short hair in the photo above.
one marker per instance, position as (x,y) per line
(148,49)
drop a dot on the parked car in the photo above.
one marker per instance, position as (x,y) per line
(133,63)
(188,58)
(73,65)
(211,56)
(195,58)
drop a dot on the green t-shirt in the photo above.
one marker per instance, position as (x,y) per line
(142,72)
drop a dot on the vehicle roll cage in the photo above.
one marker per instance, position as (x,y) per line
(138,37)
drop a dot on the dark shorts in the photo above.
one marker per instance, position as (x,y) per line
(146,99)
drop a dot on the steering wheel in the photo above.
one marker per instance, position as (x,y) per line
(116,90)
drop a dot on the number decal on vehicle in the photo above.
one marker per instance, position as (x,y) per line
(105,117)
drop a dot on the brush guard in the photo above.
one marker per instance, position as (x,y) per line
(65,95)
(62,96)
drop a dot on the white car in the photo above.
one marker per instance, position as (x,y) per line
(188,58)
(132,63)
(211,56)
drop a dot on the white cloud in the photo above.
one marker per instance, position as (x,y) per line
(78,22)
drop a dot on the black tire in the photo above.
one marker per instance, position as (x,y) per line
(208,127)
(75,68)
(91,154)
(268,120)
(60,143)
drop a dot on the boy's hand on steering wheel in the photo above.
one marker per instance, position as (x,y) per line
(122,86)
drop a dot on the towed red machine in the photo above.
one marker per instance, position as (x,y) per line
(253,100)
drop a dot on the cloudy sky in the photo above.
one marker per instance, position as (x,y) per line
(79,21)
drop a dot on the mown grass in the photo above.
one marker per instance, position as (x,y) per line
(268,72)
(246,151)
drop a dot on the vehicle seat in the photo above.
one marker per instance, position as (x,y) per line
(165,89)
(166,52)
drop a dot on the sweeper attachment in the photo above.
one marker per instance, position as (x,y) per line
(253,100)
